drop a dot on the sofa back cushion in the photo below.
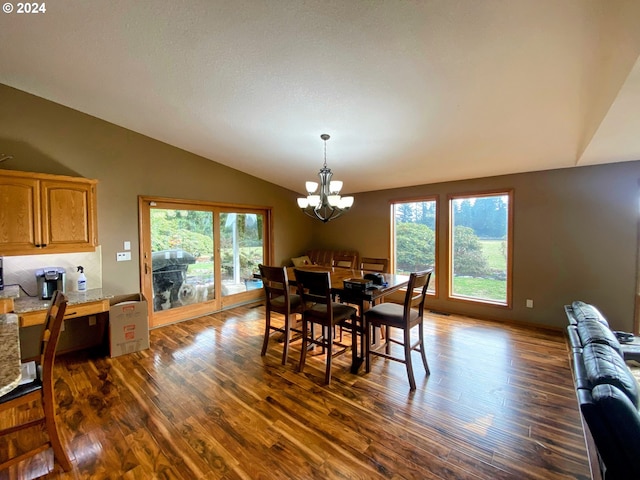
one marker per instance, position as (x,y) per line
(604,366)
(584,311)
(615,426)
(325,257)
(592,331)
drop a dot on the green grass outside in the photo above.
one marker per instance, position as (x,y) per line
(494,252)
(486,288)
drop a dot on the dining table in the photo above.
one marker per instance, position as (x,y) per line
(10,364)
(361,298)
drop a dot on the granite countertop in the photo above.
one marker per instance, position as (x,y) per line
(10,374)
(32,304)
(10,291)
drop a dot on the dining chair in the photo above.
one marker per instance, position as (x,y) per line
(278,299)
(41,388)
(403,317)
(344,261)
(375,264)
(314,289)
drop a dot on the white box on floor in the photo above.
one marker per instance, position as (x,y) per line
(128,324)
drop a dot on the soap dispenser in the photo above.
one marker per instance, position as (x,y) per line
(82,280)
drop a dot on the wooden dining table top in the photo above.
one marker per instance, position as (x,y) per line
(339,275)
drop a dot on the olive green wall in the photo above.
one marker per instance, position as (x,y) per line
(49,138)
(575,230)
(575,238)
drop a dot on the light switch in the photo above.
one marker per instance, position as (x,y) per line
(127,245)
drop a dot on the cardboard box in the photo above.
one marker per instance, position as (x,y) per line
(128,324)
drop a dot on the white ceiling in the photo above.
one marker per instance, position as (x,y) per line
(411,92)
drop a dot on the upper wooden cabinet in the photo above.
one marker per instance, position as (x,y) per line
(41,213)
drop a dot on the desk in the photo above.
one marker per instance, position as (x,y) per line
(338,275)
(10,373)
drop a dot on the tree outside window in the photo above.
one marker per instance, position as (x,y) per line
(414,242)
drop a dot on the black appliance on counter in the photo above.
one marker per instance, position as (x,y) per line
(49,280)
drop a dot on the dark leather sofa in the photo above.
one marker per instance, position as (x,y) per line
(607,392)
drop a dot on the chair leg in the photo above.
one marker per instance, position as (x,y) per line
(354,343)
(387,335)
(59,452)
(267,333)
(287,334)
(407,358)
(303,353)
(367,346)
(422,351)
(329,340)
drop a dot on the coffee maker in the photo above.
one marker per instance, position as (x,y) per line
(49,280)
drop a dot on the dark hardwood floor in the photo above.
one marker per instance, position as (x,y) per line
(203,404)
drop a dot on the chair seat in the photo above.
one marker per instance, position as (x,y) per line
(391,314)
(280,302)
(22,390)
(340,311)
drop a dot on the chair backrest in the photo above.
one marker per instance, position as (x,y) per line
(344,261)
(314,288)
(50,336)
(275,283)
(375,264)
(416,291)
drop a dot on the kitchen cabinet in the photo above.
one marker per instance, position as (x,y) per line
(42,213)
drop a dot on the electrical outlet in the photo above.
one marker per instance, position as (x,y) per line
(123,256)
(529,303)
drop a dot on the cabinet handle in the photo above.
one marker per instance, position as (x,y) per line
(70,313)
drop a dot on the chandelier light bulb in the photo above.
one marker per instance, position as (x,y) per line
(303,202)
(346,202)
(335,186)
(314,200)
(334,200)
(311,187)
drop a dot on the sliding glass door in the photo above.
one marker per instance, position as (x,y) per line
(198,257)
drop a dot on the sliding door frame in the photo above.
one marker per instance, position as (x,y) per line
(219,302)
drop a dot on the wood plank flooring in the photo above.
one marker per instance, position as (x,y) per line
(203,404)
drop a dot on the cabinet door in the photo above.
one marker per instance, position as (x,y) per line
(19,214)
(69,215)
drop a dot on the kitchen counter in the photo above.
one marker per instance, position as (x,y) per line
(9,353)
(10,291)
(33,310)
(33,304)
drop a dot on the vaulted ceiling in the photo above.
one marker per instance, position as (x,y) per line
(411,92)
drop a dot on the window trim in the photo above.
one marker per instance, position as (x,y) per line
(437,271)
(509,192)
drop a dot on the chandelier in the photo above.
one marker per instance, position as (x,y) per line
(327,204)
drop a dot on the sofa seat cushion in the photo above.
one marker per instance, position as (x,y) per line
(604,366)
(592,331)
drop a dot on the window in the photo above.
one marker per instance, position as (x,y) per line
(414,237)
(480,247)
